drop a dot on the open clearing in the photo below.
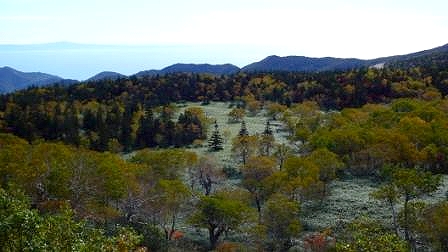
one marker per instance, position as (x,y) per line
(348,198)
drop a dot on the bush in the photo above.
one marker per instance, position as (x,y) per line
(153,237)
(231,172)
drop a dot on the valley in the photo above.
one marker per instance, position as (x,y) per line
(341,160)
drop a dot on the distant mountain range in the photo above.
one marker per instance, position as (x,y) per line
(106,75)
(306,64)
(302,64)
(193,68)
(11,79)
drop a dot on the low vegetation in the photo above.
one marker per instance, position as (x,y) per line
(282,162)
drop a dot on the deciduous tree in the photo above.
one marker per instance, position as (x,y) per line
(280,220)
(219,215)
(255,174)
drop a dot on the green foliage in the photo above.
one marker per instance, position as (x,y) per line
(135,113)
(367,235)
(255,178)
(153,238)
(219,215)
(407,184)
(282,152)
(407,133)
(24,229)
(50,173)
(329,164)
(243,130)
(412,183)
(166,163)
(215,142)
(13,157)
(231,172)
(244,147)
(236,115)
(274,110)
(434,225)
(302,178)
(169,199)
(280,222)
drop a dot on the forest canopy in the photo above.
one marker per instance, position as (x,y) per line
(117,162)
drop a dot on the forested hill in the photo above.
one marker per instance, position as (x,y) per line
(106,75)
(11,79)
(99,111)
(306,64)
(192,68)
(201,68)
(415,58)
(62,161)
(303,64)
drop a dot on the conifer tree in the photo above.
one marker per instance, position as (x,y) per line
(146,131)
(267,130)
(266,141)
(243,130)
(215,142)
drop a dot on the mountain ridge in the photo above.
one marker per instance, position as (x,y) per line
(310,64)
(217,69)
(12,79)
(106,75)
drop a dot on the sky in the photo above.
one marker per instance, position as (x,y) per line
(213,31)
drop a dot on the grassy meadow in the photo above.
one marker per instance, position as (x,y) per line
(348,198)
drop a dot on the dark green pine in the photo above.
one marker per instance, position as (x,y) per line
(215,142)
(267,130)
(243,130)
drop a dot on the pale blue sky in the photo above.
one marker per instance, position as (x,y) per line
(238,31)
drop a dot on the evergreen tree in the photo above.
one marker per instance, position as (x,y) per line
(215,142)
(113,121)
(243,130)
(103,131)
(71,126)
(89,122)
(267,130)
(125,137)
(266,141)
(56,126)
(146,131)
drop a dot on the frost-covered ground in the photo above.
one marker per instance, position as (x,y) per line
(348,198)
(218,111)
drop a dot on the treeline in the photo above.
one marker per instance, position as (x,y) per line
(102,127)
(406,132)
(117,114)
(152,193)
(159,197)
(401,146)
(331,90)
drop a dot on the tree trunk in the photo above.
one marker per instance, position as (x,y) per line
(394,217)
(213,237)
(444,243)
(208,185)
(258,203)
(244,158)
(406,219)
(324,192)
(173,224)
